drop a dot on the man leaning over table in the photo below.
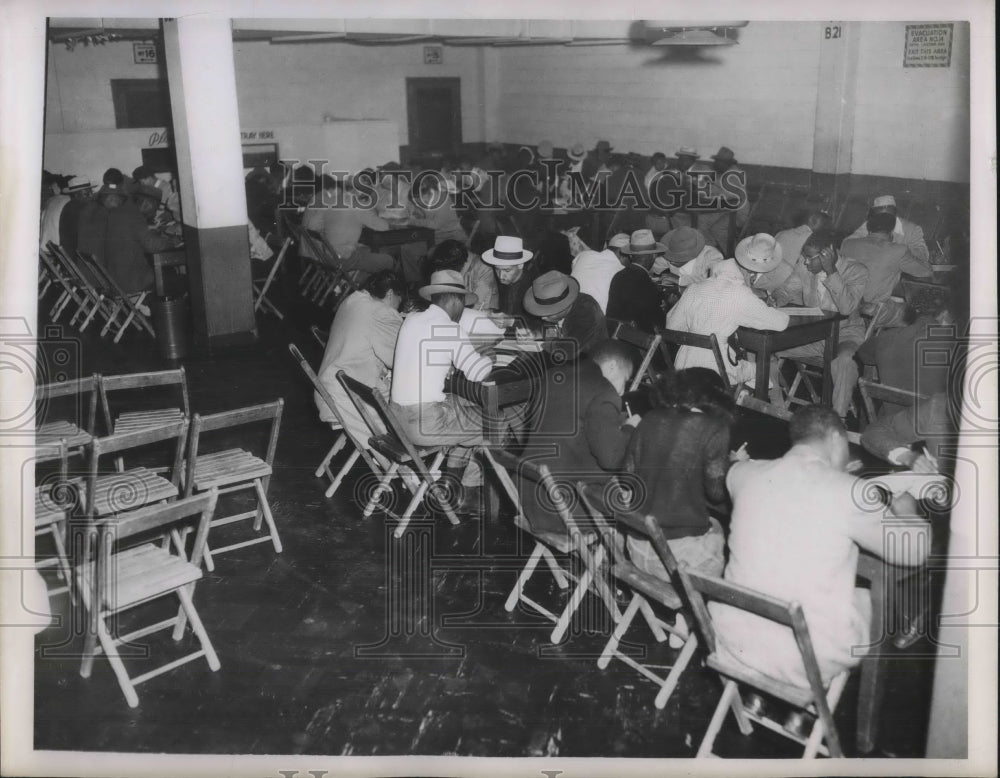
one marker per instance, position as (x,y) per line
(429,345)
(824,279)
(905,232)
(797,525)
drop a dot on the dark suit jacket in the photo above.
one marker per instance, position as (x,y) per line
(585,323)
(634,297)
(128,242)
(577,432)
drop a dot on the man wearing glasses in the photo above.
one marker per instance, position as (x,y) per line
(824,279)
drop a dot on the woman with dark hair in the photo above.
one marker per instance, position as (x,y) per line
(680,455)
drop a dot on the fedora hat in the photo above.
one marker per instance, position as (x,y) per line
(448,281)
(577,152)
(507,251)
(619,241)
(112,189)
(144,190)
(77,184)
(682,245)
(725,153)
(603,144)
(551,294)
(758,253)
(686,151)
(641,242)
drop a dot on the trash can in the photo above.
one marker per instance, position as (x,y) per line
(170,320)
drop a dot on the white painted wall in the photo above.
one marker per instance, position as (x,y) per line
(911,122)
(758,97)
(302,82)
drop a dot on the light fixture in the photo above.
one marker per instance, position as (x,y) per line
(696,37)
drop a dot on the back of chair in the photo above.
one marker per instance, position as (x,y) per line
(700,587)
(88,385)
(124,441)
(235,418)
(645,342)
(747,400)
(504,464)
(373,407)
(132,381)
(873,390)
(924,295)
(677,338)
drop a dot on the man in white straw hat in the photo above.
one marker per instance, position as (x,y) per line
(633,296)
(78,187)
(81,206)
(720,306)
(762,257)
(515,272)
(906,232)
(556,298)
(429,345)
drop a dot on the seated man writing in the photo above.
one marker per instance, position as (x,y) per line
(430,344)
(797,526)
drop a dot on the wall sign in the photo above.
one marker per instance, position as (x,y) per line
(433,55)
(144,54)
(928,46)
(255,135)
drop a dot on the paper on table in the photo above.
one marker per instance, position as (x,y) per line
(504,358)
(529,346)
(795,311)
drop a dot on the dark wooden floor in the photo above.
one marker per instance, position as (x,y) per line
(349,642)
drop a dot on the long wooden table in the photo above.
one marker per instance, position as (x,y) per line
(801,331)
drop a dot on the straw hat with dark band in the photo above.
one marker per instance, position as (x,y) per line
(444,281)
(641,242)
(508,251)
(551,294)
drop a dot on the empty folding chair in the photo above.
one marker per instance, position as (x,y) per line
(138,387)
(54,499)
(235,469)
(399,451)
(261,286)
(118,579)
(548,544)
(816,699)
(872,391)
(70,288)
(92,297)
(648,346)
(342,439)
(645,590)
(67,410)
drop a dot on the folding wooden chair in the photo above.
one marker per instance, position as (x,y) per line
(815,700)
(747,400)
(646,589)
(71,291)
(924,295)
(676,338)
(647,344)
(118,579)
(127,421)
(122,304)
(342,438)
(261,287)
(77,430)
(329,276)
(872,391)
(53,502)
(547,544)
(235,469)
(399,450)
(92,298)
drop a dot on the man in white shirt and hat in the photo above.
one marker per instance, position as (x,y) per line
(909,234)
(430,344)
(76,187)
(687,255)
(763,260)
(594,271)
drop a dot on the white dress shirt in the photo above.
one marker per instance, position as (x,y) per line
(594,270)
(429,344)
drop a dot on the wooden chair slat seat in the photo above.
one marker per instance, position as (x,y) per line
(557,541)
(144,572)
(227,467)
(131,489)
(47,510)
(53,431)
(130,421)
(793,694)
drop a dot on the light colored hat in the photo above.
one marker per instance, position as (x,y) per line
(759,253)
(545,150)
(551,294)
(448,281)
(621,240)
(641,242)
(578,152)
(507,251)
(725,153)
(884,201)
(77,184)
(686,151)
(682,245)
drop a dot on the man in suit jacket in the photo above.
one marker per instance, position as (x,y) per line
(903,232)
(130,241)
(579,429)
